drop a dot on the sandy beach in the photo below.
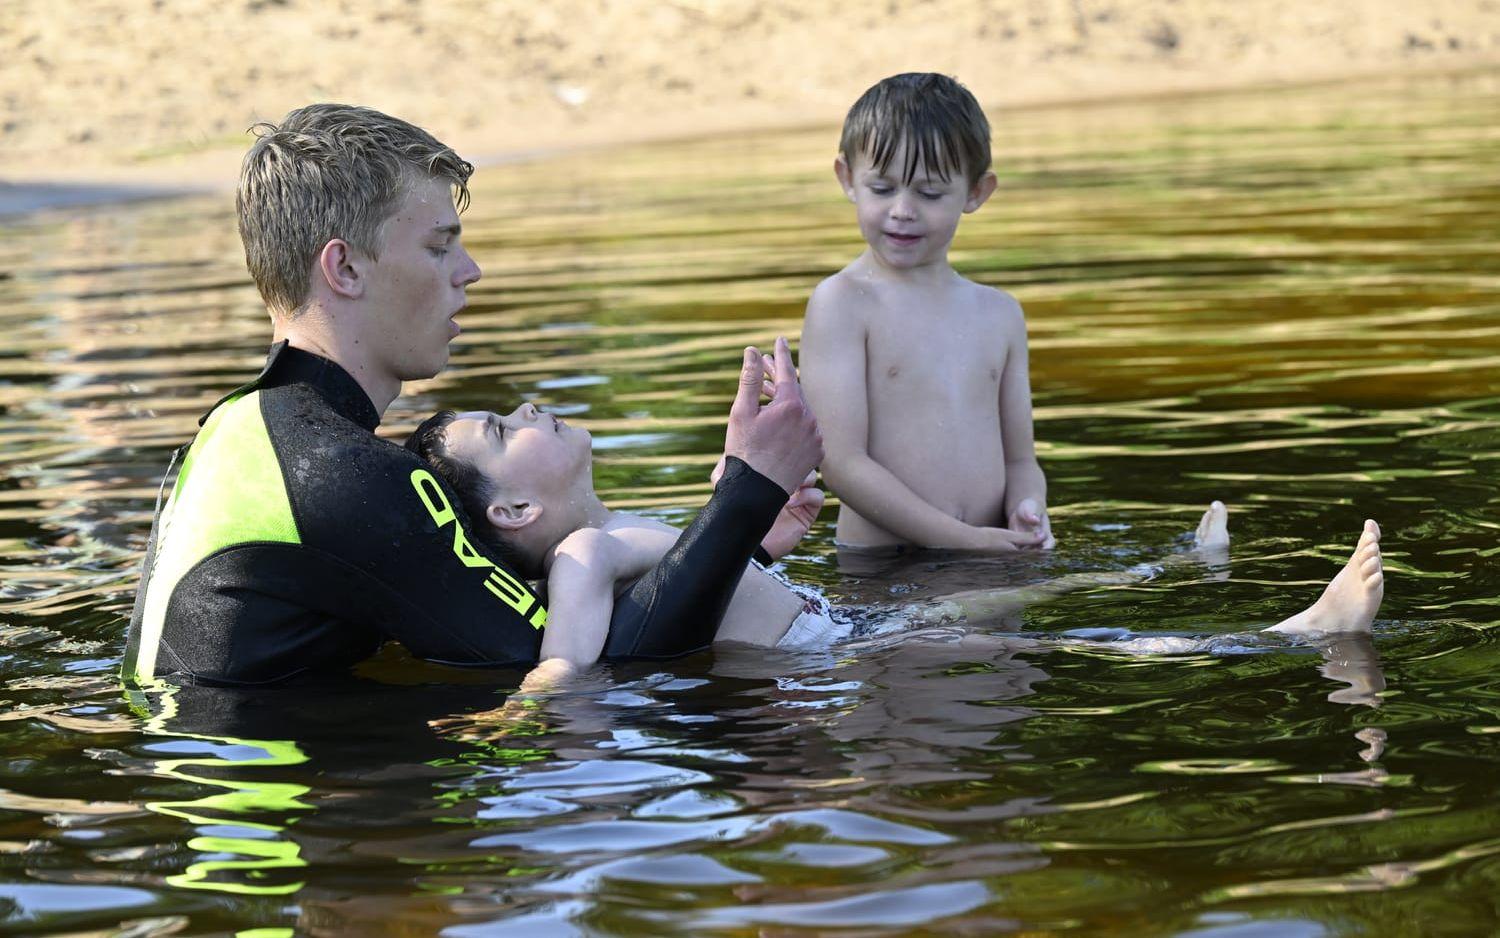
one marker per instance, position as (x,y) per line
(125,93)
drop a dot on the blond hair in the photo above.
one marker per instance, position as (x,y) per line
(329,171)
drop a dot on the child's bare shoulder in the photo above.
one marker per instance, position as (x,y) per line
(589,545)
(838,302)
(993,298)
(624,547)
(639,540)
(995,302)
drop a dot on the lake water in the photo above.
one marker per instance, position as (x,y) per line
(1287,300)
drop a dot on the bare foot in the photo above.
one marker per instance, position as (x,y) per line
(1351,599)
(1213,530)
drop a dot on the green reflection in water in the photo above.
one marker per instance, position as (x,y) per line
(241,800)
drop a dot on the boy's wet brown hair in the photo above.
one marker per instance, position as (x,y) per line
(329,171)
(939,118)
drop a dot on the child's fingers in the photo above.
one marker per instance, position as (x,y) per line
(1028,512)
(807,495)
(1017,540)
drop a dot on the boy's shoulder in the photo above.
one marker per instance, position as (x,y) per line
(838,295)
(997,303)
(991,298)
(587,543)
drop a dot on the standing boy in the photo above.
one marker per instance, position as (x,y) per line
(917,375)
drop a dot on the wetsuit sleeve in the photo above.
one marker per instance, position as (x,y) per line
(677,606)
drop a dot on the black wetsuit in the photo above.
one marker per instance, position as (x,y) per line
(296,540)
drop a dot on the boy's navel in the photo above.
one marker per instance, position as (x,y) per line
(893,371)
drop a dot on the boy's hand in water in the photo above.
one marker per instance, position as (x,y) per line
(780,440)
(1028,517)
(1005,540)
(520,713)
(547,675)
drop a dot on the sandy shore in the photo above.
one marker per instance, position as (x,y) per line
(116,92)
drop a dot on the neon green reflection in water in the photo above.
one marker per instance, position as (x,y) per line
(242,799)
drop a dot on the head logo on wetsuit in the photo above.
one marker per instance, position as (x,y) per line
(499,581)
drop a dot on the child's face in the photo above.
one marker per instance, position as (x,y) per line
(526,452)
(909,224)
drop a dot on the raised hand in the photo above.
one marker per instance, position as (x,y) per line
(780,440)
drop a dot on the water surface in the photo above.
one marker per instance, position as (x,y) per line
(1285,300)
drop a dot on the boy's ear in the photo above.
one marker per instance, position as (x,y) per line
(341,267)
(845,175)
(512,516)
(981,191)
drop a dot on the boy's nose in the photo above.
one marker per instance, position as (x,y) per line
(469,271)
(902,208)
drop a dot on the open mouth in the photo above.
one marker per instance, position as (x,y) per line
(903,239)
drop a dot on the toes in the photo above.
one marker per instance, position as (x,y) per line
(1213,527)
(1370,567)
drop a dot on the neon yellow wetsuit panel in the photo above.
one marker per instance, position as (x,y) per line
(232,489)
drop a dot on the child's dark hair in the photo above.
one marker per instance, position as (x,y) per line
(944,127)
(430,442)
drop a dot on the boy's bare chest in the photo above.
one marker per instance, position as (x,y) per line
(960,365)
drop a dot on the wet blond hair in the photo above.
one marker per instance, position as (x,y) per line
(329,171)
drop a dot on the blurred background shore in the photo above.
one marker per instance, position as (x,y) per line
(103,97)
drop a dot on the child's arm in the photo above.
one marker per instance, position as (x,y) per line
(833,376)
(1025,483)
(581,590)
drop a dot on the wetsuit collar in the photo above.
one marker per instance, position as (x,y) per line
(289,365)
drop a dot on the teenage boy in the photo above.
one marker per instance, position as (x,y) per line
(918,375)
(295,540)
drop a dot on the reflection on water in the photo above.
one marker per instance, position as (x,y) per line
(1287,301)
